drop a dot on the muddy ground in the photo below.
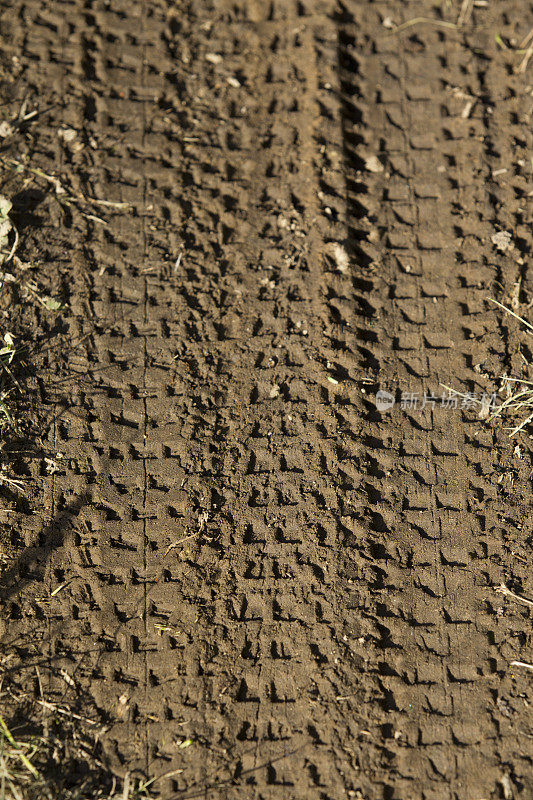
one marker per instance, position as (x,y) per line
(269,587)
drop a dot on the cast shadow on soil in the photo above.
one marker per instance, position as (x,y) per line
(30,564)
(351,121)
(69,757)
(25,204)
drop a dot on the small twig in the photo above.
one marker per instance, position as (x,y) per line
(6,368)
(60,587)
(465,12)
(60,190)
(15,245)
(526,40)
(144,786)
(13,162)
(502,589)
(126,787)
(22,117)
(11,482)
(96,219)
(39,681)
(522,425)
(417,20)
(65,711)
(462,394)
(177,543)
(108,203)
(509,311)
(521,664)
(41,692)
(525,61)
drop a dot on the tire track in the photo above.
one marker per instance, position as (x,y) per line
(437,503)
(276,590)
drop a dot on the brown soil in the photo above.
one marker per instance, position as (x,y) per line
(274,590)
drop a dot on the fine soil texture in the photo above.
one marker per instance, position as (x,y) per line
(253,575)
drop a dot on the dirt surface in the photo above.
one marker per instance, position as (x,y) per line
(269,587)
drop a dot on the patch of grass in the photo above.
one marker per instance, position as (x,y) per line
(520,391)
(48,751)
(519,398)
(18,297)
(520,401)
(41,757)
